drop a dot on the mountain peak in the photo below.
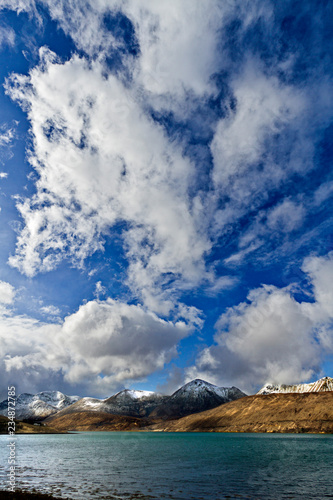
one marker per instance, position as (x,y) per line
(197,383)
(195,396)
(133,394)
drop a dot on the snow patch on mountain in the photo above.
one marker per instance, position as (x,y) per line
(40,405)
(321,385)
(139,394)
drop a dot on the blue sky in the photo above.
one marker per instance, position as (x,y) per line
(166,193)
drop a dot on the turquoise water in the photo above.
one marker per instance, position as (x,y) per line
(175,466)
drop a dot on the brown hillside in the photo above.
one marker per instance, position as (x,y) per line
(311,412)
(25,428)
(95,421)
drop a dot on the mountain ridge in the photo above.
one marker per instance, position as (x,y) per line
(321,385)
(193,397)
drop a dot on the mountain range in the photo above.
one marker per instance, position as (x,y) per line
(193,397)
(196,406)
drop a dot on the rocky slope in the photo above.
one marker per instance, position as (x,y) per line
(321,385)
(291,412)
(95,421)
(194,397)
(39,406)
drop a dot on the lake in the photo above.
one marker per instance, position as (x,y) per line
(175,466)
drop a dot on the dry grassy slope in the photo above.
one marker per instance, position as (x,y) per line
(23,428)
(311,412)
(95,421)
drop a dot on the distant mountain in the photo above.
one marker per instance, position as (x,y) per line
(323,384)
(299,413)
(194,397)
(39,406)
(133,403)
(127,402)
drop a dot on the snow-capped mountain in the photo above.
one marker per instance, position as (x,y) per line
(194,397)
(323,384)
(127,402)
(39,406)
(133,403)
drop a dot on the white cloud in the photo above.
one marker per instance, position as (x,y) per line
(99,289)
(3,175)
(263,108)
(272,337)
(7,293)
(175,55)
(20,6)
(221,283)
(178,43)
(50,310)
(286,217)
(101,347)
(122,341)
(6,136)
(101,161)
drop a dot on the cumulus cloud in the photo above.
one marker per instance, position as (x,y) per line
(121,341)
(273,337)
(102,347)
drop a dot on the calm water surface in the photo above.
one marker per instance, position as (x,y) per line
(175,466)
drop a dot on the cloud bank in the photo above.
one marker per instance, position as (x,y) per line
(102,347)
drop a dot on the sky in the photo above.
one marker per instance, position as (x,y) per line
(166,194)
